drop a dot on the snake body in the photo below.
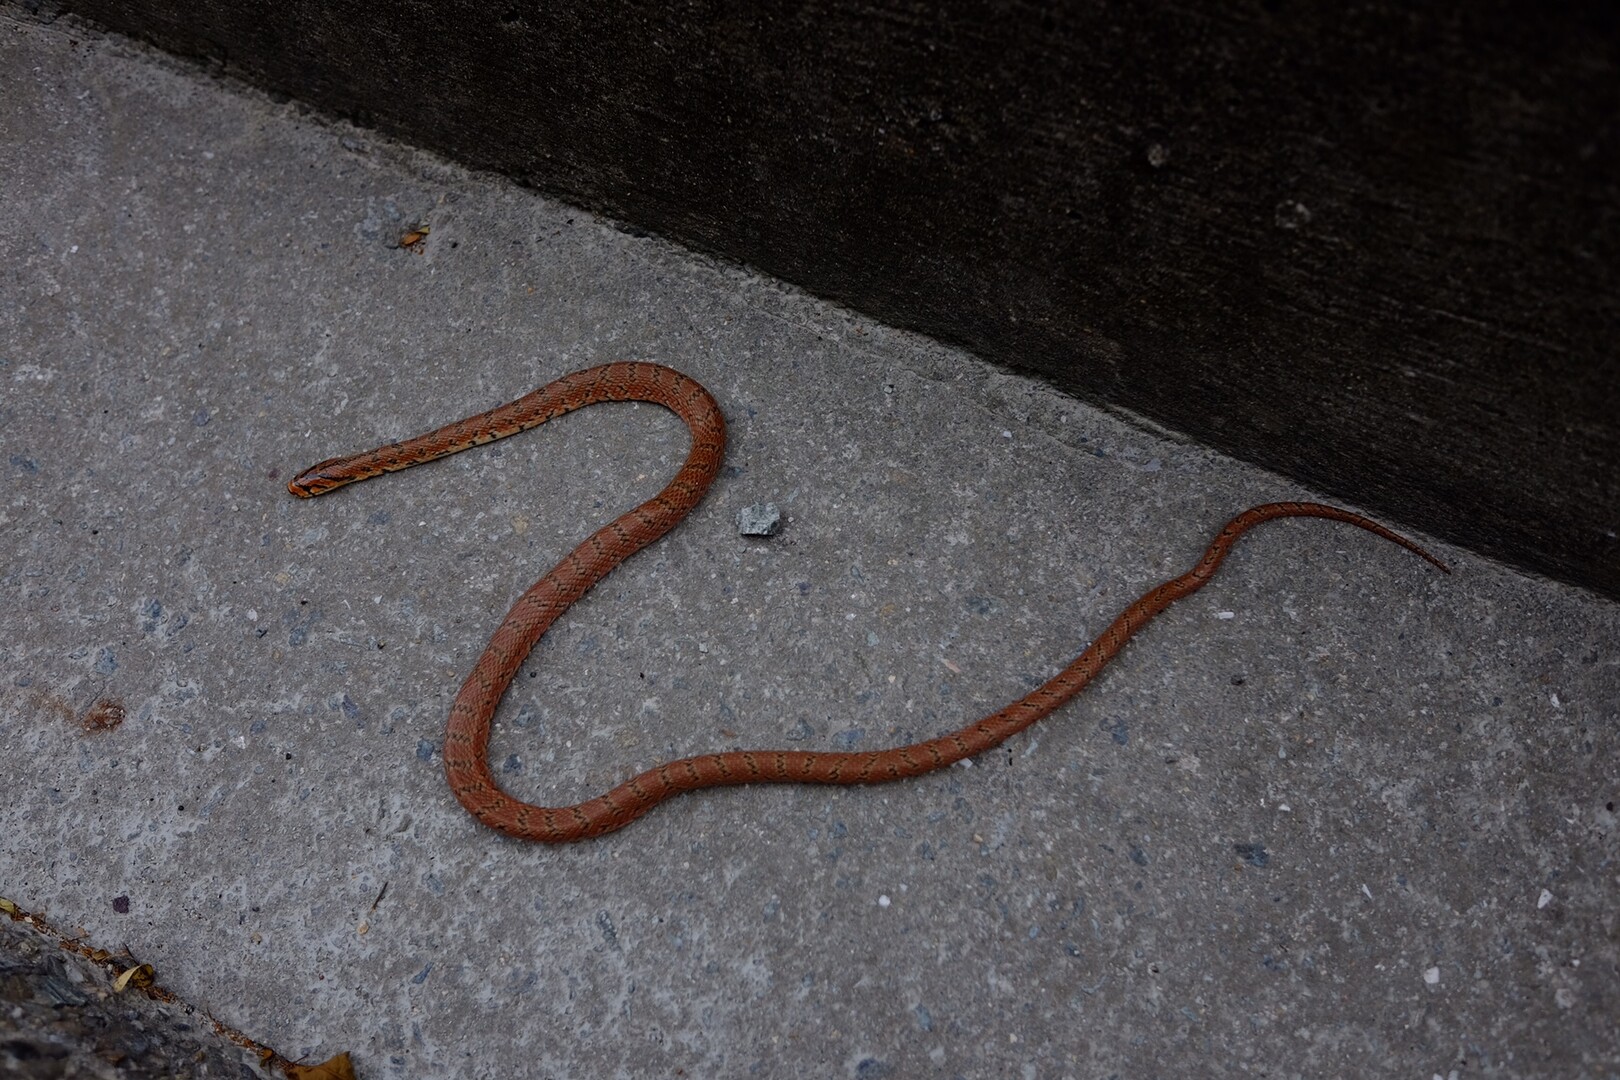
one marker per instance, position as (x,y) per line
(466,744)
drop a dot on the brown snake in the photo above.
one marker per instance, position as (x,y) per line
(466,741)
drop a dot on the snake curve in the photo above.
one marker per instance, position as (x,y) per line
(466,743)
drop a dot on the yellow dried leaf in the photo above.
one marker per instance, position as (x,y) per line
(139,975)
(9,908)
(336,1068)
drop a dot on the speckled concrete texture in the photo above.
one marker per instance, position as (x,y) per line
(1337,814)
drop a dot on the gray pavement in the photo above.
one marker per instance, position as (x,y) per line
(1337,814)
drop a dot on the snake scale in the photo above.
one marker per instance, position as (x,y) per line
(466,743)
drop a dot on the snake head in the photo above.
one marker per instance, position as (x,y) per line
(319,479)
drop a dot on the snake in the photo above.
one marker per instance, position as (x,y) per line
(467,733)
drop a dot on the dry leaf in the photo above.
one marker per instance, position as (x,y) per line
(104,715)
(141,975)
(336,1068)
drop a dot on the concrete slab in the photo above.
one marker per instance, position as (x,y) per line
(1335,815)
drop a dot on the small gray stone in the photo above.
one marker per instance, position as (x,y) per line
(761,519)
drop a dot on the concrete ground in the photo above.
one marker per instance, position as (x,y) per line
(1338,814)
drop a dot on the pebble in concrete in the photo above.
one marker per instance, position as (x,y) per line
(761,519)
